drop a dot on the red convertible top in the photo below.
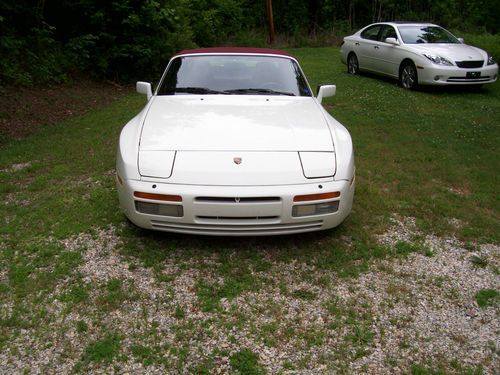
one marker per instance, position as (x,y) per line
(262,51)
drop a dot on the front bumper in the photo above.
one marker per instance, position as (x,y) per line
(232,216)
(453,75)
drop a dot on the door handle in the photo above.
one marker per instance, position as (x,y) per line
(356,43)
(376,47)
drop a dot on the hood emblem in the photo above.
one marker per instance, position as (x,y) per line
(237,160)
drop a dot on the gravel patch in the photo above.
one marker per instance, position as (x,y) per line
(16,167)
(413,310)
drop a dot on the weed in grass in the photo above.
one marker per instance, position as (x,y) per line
(246,362)
(77,294)
(114,294)
(268,334)
(179,312)
(487,297)
(81,326)
(304,294)
(360,336)
(103,350)
(479,261)
(144,354)
(209,295)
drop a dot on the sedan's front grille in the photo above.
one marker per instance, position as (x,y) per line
(470,64)
(237,218)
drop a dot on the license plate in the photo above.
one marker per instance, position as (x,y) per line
(473,74)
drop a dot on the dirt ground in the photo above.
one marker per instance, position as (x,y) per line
(23,110)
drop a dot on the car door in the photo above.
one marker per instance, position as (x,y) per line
(387,56)
(366,47)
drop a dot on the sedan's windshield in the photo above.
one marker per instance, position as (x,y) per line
(234,75)
(426,34)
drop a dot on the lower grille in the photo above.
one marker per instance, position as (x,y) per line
(237,230)
(470,64)
(236,219)
(465,79)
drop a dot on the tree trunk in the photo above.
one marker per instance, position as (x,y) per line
(270,20)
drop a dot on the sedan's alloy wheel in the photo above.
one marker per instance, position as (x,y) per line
(352,64)
(409,77)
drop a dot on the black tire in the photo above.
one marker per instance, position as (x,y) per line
(352,64)
(408,77)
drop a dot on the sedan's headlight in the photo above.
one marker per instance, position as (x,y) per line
(438,60)
(491,60)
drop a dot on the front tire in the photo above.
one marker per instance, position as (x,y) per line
(352,64)
(408,77)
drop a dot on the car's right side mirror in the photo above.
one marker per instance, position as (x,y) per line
(325,91)
(144,88)
(461,40)
(392,41)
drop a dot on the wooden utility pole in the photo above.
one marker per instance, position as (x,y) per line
(270,20)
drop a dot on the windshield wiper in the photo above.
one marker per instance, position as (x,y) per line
(258,91)
(198,90)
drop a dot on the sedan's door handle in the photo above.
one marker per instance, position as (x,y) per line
(376,47)
(357,43)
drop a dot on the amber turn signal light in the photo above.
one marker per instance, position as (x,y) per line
(316,197)
(158,197)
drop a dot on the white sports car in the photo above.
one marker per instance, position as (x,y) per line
(233,142)
(417,54)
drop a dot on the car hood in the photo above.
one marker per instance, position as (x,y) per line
(235,122)
(453,52)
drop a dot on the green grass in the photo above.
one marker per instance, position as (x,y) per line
(430,154)
(245,362)
(488,297)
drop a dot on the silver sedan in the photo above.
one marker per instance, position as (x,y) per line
(417,54)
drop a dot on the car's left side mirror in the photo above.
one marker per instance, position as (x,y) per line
(325,91)
(392,41)
(461,40)
(144,88)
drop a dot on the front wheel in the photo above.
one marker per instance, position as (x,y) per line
(408,77)
(352,64)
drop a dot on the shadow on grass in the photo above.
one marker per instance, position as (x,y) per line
(331,249)
(428,89)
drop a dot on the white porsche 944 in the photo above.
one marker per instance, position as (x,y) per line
(233,142)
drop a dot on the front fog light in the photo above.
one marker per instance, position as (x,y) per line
(315,209)
(173,210)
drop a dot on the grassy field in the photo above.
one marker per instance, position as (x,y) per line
(82,290)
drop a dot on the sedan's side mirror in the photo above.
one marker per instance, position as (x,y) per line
(392,41)
(325,91)
(144,88)
(461,40)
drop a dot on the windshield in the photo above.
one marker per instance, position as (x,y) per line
(426,34)
(233,74)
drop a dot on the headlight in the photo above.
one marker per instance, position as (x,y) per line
(491,60)
(438,60)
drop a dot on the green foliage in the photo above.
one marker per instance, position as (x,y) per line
(246,362)
(40,42)
(487,297)
(103,350)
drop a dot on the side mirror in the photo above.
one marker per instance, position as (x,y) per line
(392,41)
(144,88)
(325,91)
(461,40)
